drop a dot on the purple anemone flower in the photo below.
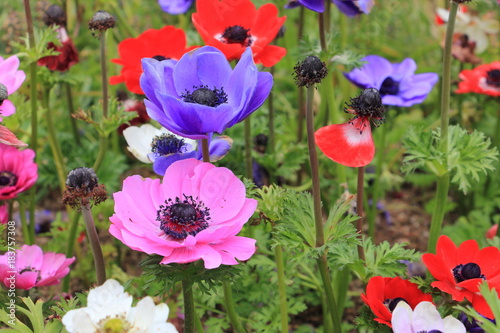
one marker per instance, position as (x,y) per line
(175,7)
(350,8)
(201,94)
(396,83)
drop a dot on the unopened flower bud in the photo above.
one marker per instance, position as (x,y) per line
(55,15)
(101,21)
(310,71)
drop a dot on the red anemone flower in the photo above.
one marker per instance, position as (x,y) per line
(165,43)
(351,144)
(484,79)
(384,293)
(232,26)
(67,57)
(461,270)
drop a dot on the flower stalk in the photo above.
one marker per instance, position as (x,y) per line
(231,312)
(71,108)
(70,247)
(95,245)
(187,292)
(205,150)
(359,209)
(443,181)
(280,266)
(248,148)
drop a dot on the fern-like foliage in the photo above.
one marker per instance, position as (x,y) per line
(469,154)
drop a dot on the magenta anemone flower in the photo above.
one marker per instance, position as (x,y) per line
(29,267)
(18,172)
(195,213)
(10,80)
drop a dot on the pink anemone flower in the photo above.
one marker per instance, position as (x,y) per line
(18,171)
(195,213)
(29,267)
(10,80)
(9,138)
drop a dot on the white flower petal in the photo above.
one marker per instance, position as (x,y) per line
(453,325)
(426,318)
(402,318)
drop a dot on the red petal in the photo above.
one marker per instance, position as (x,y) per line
(492,232)
(480,305)
(350,144)
(8,138)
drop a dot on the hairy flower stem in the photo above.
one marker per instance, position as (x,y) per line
(372,209)
(320,237)
(71,108)
(359,209)
(248,148)
(24,224)
(443,181)
(187,292)
(322,37)
(104,76)
(34,116)
(280,266)
(231,312)
(100,267)
(103,147)
(73,228)
(53,142)
(205,150)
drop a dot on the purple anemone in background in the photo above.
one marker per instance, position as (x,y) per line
(397,83)
(350,8)
(175,7)
(201,94)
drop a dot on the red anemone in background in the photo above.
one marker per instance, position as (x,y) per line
(165,43)
(67,57)
(384,293)
(351,143)
(232,26)
(460,270)
(484,79)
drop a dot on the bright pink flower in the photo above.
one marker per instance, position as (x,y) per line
(9,138)
(195,213)
(18,172)
(10,80)
(33,268)
(4,214)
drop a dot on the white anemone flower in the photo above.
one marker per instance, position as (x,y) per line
(475,27)
(109,310)
(139,140)
(424,319)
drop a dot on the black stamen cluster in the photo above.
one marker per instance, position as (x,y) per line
(493,78)
(82,188)
(7,179)
(391,303)
(55,15)
(166,144)
(367,105)
(310,71)
(236,34)
(160,57)
(4,94)
(100,22)
(204,96)
(468,271)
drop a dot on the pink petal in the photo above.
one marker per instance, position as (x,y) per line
(8,138)
(211,257)
(7,109)
(241,248)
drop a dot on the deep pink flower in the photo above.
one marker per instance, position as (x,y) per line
(33,268)
(195,213)
(10,80)
(18,172)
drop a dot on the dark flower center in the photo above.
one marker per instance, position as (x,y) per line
(467,272)
(204,96)
(181,218)
(7,179)
(160,57)
(310,71)
(432,331)
(389,87)
(368,105)
(493,78)
(237,35)
(3,93)
(167,144)
(391,303)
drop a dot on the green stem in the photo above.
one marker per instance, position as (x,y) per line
(205,150)
(248,148)
(320,237)
(71,108)
(24,224)
(231,312)
(278,251)
(270,100)
(443,181)
(104,76)
(359,209)
(100,267)
(372,211)
(53,142)
(322,37)
(103,147)
(71,246)
(187,291)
